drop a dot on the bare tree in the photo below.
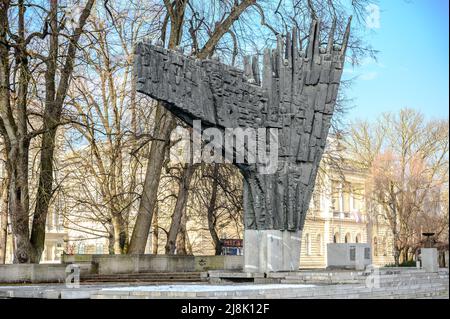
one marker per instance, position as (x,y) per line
(180,206)
(4,187)
(407,158)
(30,45)
(112,132)
(217,198)
(176,12)
(110,121)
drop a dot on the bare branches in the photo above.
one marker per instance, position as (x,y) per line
(263,18)
(405,158)
(170,10)
(223,27)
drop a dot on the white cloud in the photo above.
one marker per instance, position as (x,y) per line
(369,61)
(373,16)
(349,71)
(369,76)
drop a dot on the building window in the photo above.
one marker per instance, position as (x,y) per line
(358,197)
(346,197)
(316,200)
(384,246)
(335,193)
(308,244)
(81,248)
(48,252)
(348,238)
(375,246)
(99,248)
(358,238)
(336,238)
(320,244)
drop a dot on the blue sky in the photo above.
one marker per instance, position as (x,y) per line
(412,69)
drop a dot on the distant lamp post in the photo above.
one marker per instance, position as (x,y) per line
(428,242)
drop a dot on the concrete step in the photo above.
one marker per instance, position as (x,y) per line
(142,280)
(325,277)
(390,281)
(382,282)
(146,277)
(142,275)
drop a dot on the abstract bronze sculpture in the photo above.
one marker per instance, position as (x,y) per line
(296,94)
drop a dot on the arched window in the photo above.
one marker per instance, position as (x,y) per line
(99,248)
(319,244)
(81,248)
(336,237)
(358,238)
(308,244)
(375,246)
(348,238)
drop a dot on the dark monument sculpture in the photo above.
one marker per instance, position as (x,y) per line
(295,93)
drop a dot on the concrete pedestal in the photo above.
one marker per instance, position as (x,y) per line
(350,256)
(429,257)
(271,250)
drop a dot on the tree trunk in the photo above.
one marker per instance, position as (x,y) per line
(120,234)
(165,123)
(211,211)
(181,238)
(43,197)
(4,218)
(394,226)
(405,254)
(180,206)
(52,117)
(188,244)
(176,12)
(155,232)
(18,204)
(18,154)
(111,241)
(6,128)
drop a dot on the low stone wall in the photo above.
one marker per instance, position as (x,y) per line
(116,264)
(348,256)
(32,273)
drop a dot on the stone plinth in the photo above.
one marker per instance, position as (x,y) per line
(271,250)
(120,264)
(34,273)
(429,258)
(349,256)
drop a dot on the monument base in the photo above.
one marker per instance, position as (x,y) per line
(429,258)
(271,250)
(348,255)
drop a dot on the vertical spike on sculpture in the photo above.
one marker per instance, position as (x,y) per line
(295,96)
(255,70)
(331,36)
(346,38)
(248,73)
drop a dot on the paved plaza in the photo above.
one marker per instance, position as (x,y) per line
(385,284)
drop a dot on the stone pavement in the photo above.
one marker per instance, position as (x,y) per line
(387,283)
